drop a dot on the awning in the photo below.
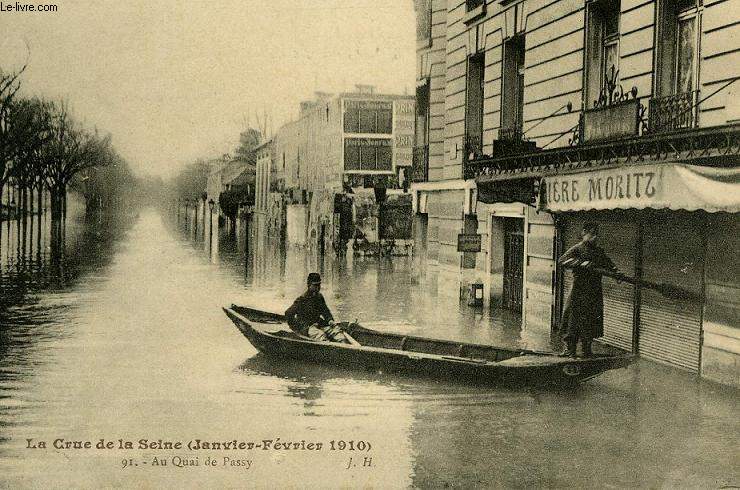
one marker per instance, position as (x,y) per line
(659,186)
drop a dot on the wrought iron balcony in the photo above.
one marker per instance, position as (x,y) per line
(473,147)
(420,164)
(673,112)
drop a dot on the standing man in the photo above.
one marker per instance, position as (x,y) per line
(583,315)
(309,316)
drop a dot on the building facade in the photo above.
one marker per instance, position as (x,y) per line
(344,153)
(542,115)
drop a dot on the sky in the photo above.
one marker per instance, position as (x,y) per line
(177,80)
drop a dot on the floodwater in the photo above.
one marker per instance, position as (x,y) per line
(127,344)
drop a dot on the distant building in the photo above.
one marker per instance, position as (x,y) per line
(270,200)
(348,146)
(231,175)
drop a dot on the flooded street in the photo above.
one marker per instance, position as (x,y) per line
(133,345)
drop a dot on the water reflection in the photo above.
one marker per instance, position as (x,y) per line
(133,344)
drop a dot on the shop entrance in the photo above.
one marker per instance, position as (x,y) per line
(513,264)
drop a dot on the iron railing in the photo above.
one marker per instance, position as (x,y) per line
(473,147)
(673,112)
(420,164)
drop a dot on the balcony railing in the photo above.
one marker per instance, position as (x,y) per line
(473,147)
(420,164)
(673,112)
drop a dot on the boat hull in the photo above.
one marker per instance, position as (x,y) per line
(517,367)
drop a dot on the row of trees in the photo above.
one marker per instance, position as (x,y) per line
(42,148)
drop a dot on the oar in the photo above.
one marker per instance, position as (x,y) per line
(667,290)
(350,338)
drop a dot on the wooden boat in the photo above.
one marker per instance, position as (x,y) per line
(390,352)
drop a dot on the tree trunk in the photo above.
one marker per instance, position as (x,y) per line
(55,194)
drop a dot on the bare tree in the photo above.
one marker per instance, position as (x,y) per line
(68,151)
(9,86)
(30,131)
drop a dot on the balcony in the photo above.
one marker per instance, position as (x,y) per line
(473,147)
(673,112)
(420,164)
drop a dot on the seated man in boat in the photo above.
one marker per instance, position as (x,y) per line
(309,316)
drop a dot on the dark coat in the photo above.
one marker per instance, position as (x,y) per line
(308,310)
(583,313)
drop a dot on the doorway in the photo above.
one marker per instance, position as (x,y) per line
(513,264)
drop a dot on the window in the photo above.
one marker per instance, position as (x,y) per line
(423,19)
(676,94)
(677,53)
(603,47)
(422,116)
(368,154)
(367,116)
(474,106)
(512,105)
(474,4)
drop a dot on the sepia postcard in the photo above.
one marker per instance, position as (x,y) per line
(369,244)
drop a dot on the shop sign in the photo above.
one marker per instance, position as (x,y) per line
(629,187)
(660,186)
(403,133)
(613,121)
(468,242)
(367,142)
(375,105)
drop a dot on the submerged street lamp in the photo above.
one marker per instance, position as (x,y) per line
(210,224)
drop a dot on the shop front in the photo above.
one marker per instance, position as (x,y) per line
(657,223)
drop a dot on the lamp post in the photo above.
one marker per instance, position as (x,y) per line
(203,198)
(195,218)
(187,214)
(210,224)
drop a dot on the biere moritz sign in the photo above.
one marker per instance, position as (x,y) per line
(659,186)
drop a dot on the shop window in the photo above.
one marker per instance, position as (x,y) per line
(361,154)
(512,105)
(368,118)
(352,121)
(385,122)
(603,47)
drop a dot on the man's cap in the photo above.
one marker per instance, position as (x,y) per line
(314,278)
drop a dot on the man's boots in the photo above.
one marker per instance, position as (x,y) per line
(570,351)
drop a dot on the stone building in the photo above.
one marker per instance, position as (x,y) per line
(344,150)
(534,116)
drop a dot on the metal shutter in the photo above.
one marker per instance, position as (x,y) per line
(618,241)
(670,330)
